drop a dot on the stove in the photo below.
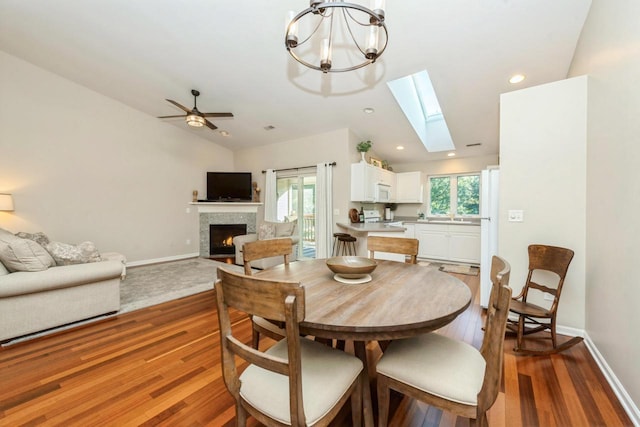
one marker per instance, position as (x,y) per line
(372,216)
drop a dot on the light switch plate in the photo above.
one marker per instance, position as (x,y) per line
(516,216)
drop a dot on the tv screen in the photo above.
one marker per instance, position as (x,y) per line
(229,186)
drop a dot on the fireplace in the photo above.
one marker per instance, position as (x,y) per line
(212,213)
(221,238)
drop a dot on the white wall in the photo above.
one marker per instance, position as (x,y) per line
(543,148)
(85,167)
(609,51)
(336,146)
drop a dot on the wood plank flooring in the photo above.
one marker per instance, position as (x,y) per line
(161,366)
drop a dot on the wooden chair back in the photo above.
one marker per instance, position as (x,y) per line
(492,348)
(549,258)
(396,245)
(259,249)
(283,301)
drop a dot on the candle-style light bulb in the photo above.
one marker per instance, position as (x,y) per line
(325,55)
(372,44)
(291,29)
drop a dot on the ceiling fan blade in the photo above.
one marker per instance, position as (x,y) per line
(217,114)
(179,106)
(170,117)
(210,125)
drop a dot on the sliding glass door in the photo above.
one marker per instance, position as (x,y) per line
(296,196)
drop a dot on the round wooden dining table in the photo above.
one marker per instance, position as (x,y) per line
(401,300)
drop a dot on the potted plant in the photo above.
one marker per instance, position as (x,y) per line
(363,147)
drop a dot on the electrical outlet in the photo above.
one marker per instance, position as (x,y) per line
(336,212)
(188,241)
(188,210)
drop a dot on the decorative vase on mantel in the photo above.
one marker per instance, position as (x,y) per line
(363,159)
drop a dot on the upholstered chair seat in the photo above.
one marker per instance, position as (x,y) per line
(268,391)
(433,363)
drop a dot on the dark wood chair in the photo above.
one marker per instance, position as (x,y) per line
(260,249)
(297,381)
(395,245)
(447,373)
(533,318)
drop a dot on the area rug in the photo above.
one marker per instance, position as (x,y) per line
(153,284)
(452,268)
(460,269)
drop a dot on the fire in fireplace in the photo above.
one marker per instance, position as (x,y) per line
(221,238)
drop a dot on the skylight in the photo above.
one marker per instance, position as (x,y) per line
(418,100)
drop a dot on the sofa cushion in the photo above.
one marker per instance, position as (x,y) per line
(39,237)
(267,230)
(3,270)
(66,254)
(285,229)
(19,254)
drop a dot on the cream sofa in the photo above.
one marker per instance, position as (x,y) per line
(33,301)
(268,230)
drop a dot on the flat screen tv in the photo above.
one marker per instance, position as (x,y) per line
(229,186)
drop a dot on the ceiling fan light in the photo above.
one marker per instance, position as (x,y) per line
(195,120)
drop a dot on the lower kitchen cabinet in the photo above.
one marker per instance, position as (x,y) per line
(448,242)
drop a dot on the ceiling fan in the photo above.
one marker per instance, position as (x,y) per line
(194,117)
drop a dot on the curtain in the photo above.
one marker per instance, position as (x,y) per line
(270,196)
(324,210)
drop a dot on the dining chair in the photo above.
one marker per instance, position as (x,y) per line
(532,318)
(396,245)
(447,373)
(260,249)
(297,381)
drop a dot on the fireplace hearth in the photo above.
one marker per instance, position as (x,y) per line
(221,238)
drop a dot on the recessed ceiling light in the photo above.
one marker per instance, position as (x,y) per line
(224,133)
(369,110)
(400,147)
(451,154)
(516,78)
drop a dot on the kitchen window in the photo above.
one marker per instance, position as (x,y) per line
(454,195)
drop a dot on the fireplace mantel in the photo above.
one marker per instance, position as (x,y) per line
(214,207)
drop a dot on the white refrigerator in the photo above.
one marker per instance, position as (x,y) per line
(488,229)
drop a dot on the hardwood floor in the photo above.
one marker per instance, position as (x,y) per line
(161,366)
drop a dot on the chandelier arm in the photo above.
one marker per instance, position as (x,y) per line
(348,12)
(312,32)
(346,22)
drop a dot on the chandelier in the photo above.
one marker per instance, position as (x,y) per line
(336,36)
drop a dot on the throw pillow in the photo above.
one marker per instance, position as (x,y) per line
(266,231)
(39,237)
(285,229)
(18,254)
(66,254)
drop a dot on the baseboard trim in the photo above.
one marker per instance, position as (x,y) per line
(625,400)
(159,260)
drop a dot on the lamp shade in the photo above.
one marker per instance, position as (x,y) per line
(6,202)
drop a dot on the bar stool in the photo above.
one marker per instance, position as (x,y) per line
(334,252)
(346,245)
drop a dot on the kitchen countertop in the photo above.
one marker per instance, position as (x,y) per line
(442,222)
(370,226)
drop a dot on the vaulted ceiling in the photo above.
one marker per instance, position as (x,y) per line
(141,52)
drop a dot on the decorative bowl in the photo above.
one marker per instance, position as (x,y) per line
(351,267)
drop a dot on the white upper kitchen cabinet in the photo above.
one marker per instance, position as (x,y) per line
(364,181)
(409,187)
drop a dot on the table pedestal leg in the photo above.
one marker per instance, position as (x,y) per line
(367,407)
